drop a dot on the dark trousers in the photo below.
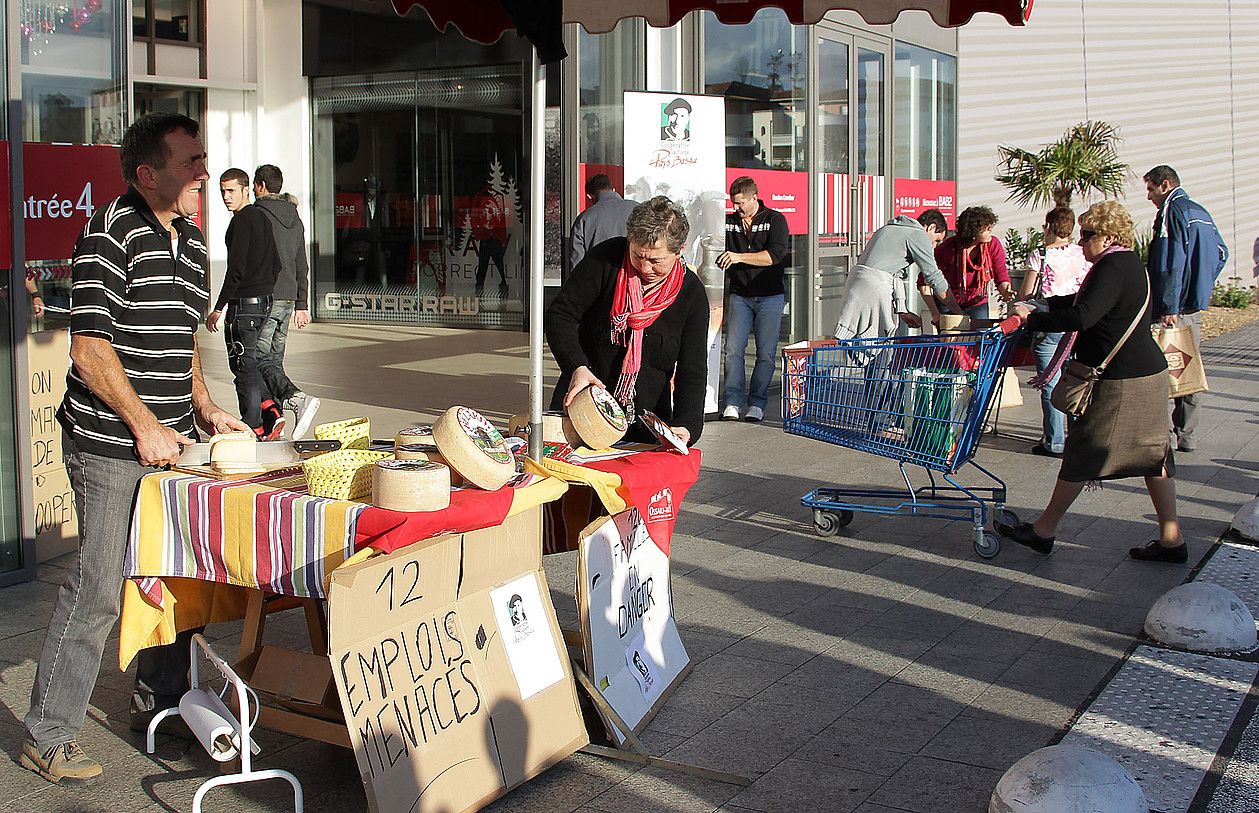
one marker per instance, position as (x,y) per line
(244,321)
(490,248)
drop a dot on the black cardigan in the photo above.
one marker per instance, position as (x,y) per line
(579,331)
(1109,299)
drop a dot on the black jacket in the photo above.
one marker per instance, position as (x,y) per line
(579,331)
(769,233)
(290,244)
(1108,301)
(252,264)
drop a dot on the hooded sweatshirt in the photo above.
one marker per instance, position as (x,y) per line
(290,244)
(900,244)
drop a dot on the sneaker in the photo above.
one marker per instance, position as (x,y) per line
(754,415)
(64,764)
(304,408)
(1045,451)
(277,429)
(1185,444)
(731,413)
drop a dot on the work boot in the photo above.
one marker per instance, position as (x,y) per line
(64,764)
(304,408)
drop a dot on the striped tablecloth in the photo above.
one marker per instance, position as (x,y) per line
(197,545)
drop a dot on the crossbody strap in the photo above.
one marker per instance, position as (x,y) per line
(1127,333)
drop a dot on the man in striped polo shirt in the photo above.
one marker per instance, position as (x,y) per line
(134,394)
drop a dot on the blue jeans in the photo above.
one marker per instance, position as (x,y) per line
(762,316)
(1053,422)
(979,311)
(271,341)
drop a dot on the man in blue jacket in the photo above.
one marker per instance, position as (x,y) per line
(1187,255)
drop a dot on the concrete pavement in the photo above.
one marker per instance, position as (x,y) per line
(886,669)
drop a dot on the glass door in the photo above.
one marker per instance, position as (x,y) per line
(850,160)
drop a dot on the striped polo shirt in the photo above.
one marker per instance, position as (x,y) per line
(130,289)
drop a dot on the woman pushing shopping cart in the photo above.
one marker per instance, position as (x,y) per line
(919,400)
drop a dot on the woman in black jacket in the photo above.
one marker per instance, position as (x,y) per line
(629,317)
(1125,432)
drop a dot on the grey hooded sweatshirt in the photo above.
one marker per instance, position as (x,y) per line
(897,246)
(290,243)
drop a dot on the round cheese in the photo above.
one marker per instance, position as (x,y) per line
(552,426)
(414,434)
(425,451)
(474,448)
(597,418)
(410,485)
(234,451)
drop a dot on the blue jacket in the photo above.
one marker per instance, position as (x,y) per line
(1187,255)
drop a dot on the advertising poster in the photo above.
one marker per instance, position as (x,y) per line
(631,644)
(526,634)
(912,196)
(675,145)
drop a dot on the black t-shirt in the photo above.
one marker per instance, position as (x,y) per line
(252,261)
(768,233)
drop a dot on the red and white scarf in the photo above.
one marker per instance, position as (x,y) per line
(633,311)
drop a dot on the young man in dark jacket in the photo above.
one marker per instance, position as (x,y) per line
(290,298)
(1187,255)
(756,246)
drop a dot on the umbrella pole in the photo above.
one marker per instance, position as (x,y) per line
(537,218)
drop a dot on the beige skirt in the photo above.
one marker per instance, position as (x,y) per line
(1125,432)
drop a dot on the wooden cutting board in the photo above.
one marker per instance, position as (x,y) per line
(215,474)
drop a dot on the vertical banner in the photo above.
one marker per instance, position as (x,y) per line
(675,145)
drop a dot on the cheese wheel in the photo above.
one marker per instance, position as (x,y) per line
(552,426)
(234,450)
(414,434)
(425,451)
(410,485)
(597,418)
(474,448)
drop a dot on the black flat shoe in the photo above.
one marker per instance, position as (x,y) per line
(1040,449)
(1152,551)
(1024,535)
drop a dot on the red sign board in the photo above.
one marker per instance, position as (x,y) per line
(615,173)
(349,210)
(63,185)
(788,192)
(911,196)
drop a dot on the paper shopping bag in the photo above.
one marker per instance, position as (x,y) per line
(1185,373)
(1011,394)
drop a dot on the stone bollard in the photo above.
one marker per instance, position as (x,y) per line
(1201,617)
(1064,778)
(1246,521)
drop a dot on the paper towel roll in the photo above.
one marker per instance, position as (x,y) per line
(210,721)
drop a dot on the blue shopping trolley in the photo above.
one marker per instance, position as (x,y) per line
(919,400)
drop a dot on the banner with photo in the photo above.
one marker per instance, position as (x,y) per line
(675,145)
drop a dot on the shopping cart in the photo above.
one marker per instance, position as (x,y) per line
(919,400)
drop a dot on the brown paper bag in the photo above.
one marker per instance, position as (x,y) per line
(1186,375)
(1011,394)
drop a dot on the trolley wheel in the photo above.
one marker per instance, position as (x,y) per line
(987,545)
(1005,516)
(829,522)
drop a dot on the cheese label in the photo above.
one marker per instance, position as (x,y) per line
(419,447)
(611,411)
(407,465)
(418,433)
(482,433)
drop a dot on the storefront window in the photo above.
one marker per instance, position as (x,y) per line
(419,204)
(72,71)
(926,114)
(760,69)
(174,20)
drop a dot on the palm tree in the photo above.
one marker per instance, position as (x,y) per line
(1085,159)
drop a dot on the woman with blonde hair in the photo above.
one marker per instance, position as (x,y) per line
(1125,431)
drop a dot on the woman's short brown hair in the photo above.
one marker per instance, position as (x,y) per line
(1060,221)
(1112,219)
(972,221)
(658,217)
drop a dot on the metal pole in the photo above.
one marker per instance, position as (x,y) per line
(537,217)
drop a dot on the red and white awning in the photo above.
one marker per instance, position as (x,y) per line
(486,20)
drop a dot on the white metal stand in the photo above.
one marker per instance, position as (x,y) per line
(241,743)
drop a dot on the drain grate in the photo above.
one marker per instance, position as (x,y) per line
(1163,717)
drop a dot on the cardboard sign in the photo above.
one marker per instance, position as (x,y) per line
(631,644)
(442,714)
(56,523)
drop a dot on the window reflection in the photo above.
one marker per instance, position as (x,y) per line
(926,114)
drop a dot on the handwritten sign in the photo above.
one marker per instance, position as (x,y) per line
(442,713)
(56,524)
(630,640)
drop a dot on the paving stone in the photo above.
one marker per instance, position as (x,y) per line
(664,791)
(796,785)
(990,742)
(919,785)
(896,717)
(737,676)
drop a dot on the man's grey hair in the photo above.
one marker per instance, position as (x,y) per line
(658,217)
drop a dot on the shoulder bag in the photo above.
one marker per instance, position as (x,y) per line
(1074,390)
